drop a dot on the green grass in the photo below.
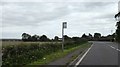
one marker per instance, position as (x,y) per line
(25,53)
(59,54)
(36,53)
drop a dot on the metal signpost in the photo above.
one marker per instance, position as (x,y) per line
(64,25)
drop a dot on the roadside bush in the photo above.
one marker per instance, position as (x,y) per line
(26,53)
(74,43)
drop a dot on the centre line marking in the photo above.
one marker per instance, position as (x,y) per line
(114,48)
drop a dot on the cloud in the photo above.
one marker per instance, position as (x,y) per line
(27,14)
(59,0)
(34,13)
(47,17)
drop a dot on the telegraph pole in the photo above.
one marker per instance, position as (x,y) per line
(64,25)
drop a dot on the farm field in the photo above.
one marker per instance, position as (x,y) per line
(8,43)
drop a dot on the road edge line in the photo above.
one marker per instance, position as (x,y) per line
(78,57)
(83,56)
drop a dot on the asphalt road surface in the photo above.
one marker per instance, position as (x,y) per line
(102,53)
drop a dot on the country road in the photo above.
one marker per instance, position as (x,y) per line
(102,53)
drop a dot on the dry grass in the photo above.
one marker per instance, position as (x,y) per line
(9,43)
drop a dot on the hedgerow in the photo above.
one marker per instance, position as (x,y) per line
(23,54)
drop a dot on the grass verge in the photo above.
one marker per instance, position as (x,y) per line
(59,54)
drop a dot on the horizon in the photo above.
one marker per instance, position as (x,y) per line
(61,37)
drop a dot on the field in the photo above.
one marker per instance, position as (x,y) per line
(8,43)
(29,52)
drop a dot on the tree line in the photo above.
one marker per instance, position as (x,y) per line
(28,37)
(89,37)
(117,16)
(99,37)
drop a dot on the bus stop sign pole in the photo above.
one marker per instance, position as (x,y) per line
(64,25)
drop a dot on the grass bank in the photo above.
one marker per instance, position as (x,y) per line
(59,54)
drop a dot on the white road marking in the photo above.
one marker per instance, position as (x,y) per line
(115,48)
(83,56)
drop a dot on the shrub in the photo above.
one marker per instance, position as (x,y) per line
(26,53)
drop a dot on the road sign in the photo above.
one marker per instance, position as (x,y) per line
(64,24)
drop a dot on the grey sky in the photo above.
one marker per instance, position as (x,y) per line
(46,17)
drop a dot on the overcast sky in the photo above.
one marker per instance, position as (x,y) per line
(46,17)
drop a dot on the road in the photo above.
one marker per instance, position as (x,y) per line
(102,53)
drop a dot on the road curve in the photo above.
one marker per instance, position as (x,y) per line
(102,53)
